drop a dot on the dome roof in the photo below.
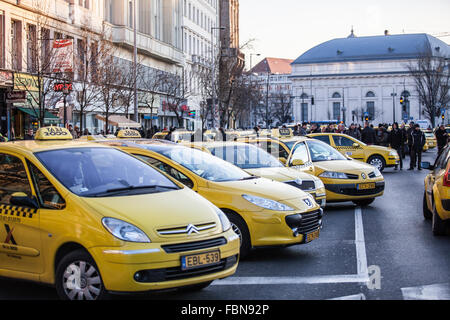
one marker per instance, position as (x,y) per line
(389,47)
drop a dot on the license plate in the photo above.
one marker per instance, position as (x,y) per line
(366,186)
(200,260)
(312,236)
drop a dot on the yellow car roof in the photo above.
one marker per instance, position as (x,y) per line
(31,146)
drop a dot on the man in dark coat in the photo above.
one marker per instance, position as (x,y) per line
(368,134)
(396,140)
(418,140)
(408,136)
(353,132)
(441,138)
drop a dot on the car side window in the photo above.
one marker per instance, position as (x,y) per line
(174,173)
(340,141)
(300,153)
(48,197)
(13,178)
(325,139)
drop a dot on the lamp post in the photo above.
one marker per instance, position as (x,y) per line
(213,75)
(251,55)
(343,105)
(136,110)
(65,93)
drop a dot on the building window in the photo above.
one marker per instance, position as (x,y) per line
(406,106)
(2,39)
(336,95)
(304,112)
(336,111)
(130,14)
(370,94)
(32,53)
(16,45)
(371,109)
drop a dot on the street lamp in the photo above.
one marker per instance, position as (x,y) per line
(251,55)
(213,75)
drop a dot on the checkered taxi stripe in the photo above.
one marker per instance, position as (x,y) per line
(17,211)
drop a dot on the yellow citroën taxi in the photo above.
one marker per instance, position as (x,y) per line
(262,212)
(91,220)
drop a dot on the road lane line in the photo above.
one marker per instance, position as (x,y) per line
(350,278)
(439,291)
(359,296)
(361,257)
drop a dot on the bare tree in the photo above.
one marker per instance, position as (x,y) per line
(177,93)
(431,75)
(150,83)
(281,106)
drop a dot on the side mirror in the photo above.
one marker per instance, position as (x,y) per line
(21,199)
(283,160)
(297,162)
(427,165)
(355,145)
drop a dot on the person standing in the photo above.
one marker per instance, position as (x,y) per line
(402,128)
(408,136)
(368,134)
(353,132)
(397,140)
(441,138)
(418,140)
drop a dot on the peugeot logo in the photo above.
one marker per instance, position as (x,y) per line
(308,202)
(363,175)
(191,228)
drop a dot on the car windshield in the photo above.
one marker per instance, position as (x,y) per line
(97,172)
(290,144)
(246,156)
(202,164)
(320,151)
(429,135)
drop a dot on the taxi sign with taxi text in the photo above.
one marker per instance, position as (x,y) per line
(53,133)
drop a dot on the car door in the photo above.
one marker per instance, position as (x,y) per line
(438,171)
(348,147)
(20,234)
(300,152)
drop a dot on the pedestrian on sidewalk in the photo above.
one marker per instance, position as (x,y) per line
(397,140)
(368,134)
(418,140)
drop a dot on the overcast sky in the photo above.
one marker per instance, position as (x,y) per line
(288,28)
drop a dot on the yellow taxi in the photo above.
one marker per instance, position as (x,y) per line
(378,156)
(436,197)
(431,139)
(345,179)
(262,212)
(91,220)
(258,162)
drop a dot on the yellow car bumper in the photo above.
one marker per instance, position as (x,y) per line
(351,191)
(152,268)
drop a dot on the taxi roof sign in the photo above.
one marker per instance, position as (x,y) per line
(53,133)
(128,133)
(282,132)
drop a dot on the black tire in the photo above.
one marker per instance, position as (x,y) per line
(427,214)
(240,227)
(437,224)
(195,287)
(377,161)
(363,203)
(90,286)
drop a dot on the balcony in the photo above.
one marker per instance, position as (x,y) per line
(147,44)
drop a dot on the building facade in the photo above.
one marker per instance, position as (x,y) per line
(349,78)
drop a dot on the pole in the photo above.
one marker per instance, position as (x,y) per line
(393,94)
(136,111)
(213,75)
(267,100)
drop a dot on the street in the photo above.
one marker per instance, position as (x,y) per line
(384,251)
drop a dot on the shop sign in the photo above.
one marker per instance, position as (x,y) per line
(16,97)
(26,82)
(6,78)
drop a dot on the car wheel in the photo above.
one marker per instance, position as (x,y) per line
(377,161)
(427,214)
(78,278)
(240,228)
(363,203)
(437,224)
(195,287)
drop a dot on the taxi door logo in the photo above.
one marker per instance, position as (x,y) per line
(9,236)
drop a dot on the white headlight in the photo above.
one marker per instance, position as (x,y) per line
(267,203)
(333,175)
(124,231)
(377,173)
(393,153)
(226,225)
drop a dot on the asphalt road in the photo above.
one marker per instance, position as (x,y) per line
(384,251)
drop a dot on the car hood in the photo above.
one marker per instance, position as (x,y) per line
(346,166)
(281,174)
(156,211)
(379,148)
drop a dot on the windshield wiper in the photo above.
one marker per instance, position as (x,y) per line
(131,188)
(249,178)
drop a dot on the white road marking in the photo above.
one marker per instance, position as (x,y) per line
(359,296)
(361,277)
(439,291)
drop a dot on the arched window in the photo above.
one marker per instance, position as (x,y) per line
(336,95)
(304,96)
(370,94)
(406,94)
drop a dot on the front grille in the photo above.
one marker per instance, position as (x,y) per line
(352,176)
(176,273)
(306,185)
(352,190)
(191,246)
(305,222)
(183,230)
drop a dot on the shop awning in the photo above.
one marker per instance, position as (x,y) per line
(119,121)
(34,113)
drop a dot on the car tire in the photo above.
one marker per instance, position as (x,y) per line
(78,278)
(377,161)
(363,203)
(427,214)
(195,287)
(240,228)
(438,226)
